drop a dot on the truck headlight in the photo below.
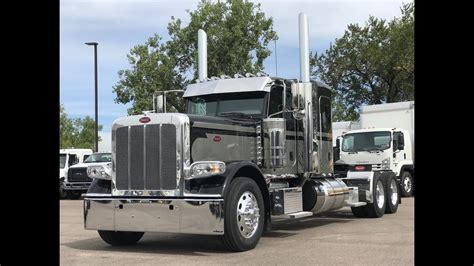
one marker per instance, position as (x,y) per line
(386,164)
(206,168)
(100,171)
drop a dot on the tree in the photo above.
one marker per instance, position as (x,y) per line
(238,36)
(77,133)
(370,65)
(66,129)
(152,70)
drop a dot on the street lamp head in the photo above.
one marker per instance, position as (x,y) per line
(91,43)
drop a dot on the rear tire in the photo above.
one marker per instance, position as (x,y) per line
(119,238)
(359,212)
(407,184)
(377,208)
(392,193)
(244,214)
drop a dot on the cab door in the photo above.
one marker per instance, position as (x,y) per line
(399,153)
(324,133)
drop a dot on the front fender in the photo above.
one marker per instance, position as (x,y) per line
(218,184)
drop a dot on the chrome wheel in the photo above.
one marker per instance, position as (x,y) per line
(248,214)
(380,194)
(407,184)
(394,190)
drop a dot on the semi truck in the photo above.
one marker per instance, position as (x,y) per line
(68,158)
(249,150)
(385,142)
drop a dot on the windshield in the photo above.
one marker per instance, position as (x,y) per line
(247,105)
(99,158)
(62,160)
(366,141)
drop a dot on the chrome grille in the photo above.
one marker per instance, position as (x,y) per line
(146,157)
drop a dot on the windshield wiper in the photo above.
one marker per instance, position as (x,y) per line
(372,150)
(375,150)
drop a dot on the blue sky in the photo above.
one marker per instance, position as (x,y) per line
(118,25)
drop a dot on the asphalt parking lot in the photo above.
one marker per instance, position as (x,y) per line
(332,239)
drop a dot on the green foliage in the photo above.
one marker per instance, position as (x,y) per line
(152,70)
(370,65)
(238,35)
(77,133)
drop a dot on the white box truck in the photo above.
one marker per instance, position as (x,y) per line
(385,142)
(67,158)
(338,129)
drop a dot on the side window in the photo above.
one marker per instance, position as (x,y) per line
(85,157)
(276,101)
(348,143)
(72,159)
(398,141)
(290,120)
(325,114)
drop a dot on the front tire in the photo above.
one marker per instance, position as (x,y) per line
(244,214)
(62,192)
(100,186)
(118,238)
(406,181)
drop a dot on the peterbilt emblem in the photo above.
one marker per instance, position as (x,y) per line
(217,139)
(144,119)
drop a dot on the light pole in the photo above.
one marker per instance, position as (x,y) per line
(96,107)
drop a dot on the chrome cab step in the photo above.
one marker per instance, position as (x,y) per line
(297,215)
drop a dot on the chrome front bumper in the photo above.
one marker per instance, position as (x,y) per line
(76,185)
(191,216)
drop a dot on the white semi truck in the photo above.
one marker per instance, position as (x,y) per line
(385,143)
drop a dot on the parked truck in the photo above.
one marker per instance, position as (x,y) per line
(385,142)
(338,129)
(68,158)
(248,150)
(76,180)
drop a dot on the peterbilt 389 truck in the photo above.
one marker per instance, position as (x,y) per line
(248,150)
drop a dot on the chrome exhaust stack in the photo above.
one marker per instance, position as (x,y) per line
(304,47)
(303,90)
(202,55)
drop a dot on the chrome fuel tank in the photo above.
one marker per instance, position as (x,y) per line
(324,194)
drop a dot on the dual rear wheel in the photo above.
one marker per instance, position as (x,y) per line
(385,195)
